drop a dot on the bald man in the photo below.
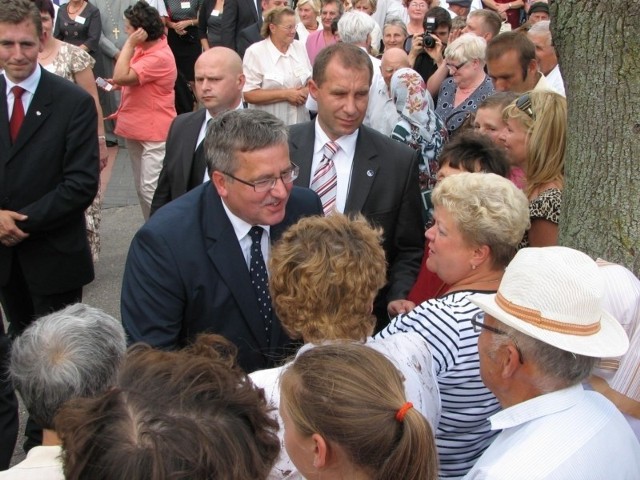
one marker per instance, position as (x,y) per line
(381,111)
(219,81)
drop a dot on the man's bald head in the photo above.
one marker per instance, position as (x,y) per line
(219,79)
(392,60)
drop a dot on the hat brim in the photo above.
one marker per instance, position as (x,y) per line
(610,341)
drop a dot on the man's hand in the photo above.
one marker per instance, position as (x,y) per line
(398,307)
(436,51)
(10,234)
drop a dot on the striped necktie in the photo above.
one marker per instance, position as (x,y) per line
(325,180)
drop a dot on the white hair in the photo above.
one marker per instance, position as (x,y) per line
(355,26)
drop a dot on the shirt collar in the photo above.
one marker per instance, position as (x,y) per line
(30,84)
(347,142)
(240,227)
(275,54)
(537,407)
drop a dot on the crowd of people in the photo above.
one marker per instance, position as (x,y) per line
(349,265)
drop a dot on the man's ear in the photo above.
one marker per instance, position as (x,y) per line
(220,183)
(313,89)
(511,361)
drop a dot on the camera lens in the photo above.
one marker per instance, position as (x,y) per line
(428,41)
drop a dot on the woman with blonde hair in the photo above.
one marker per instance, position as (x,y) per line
(277,69)
(346,415)
(308,13)
(479,220)
(468,84)
(324,275)
(536,141)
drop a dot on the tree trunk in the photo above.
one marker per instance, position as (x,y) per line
(598,44)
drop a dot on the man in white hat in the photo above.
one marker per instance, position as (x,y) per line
(542,333)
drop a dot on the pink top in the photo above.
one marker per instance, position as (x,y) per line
(315,43)
(147,109)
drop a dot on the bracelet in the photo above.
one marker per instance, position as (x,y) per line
(102,137)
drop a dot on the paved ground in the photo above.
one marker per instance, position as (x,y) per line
(121,218)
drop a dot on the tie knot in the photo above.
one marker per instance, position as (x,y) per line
(17,92)
(330,149)
(256,234)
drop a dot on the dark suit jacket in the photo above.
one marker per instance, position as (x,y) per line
(238,14)
(186,274)
(178,159)
(384,188)
(51,175)
(247,37)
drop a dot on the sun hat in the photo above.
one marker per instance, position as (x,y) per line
(554,294)
(539,7)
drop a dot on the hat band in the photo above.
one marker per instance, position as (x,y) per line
(533,317)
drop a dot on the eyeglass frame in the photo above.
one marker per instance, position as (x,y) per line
(287,28)
(523,103)
(419,5)
(456,67)
(294,171)
(478,326)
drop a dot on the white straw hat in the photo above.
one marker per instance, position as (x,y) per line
(554,294)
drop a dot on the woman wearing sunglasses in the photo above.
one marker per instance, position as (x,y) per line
(535,139)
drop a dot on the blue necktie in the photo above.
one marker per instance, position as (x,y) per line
(260,279)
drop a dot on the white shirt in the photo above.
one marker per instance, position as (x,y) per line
(266,67)
(569,434)
(554,79)
(342,160)
(381,112)
(42,463)
(241,229)
(386,9)
(411,356)
(30,84)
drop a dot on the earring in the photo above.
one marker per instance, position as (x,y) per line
(473,267)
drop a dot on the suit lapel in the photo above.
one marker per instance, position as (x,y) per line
(225,253)
(302,141)
(191,131)
(366,163)
(5,141)
(39,110)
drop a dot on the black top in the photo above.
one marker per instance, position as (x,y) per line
(85,29)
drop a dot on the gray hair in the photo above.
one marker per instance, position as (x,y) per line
(542,28)
(395,22)
(467,47)
(558,368)
(355,26)
(240,131)
(72,353)
(487,209)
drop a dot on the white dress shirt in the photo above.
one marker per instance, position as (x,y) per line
(554,79)
(381,111)
(570,434)
(241,229)
(42,463)
(30,84)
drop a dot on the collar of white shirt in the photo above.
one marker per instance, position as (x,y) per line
(30,84)
(537,407)
(347,142)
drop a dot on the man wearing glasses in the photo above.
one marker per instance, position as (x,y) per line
(199,264)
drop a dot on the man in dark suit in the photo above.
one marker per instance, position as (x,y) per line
(188,271)
(238,14)
(48,176)
(372,174)
(219,82)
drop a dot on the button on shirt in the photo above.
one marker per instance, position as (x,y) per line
(569,434)
(343,161)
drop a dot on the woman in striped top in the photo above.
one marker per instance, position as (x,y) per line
(479,220)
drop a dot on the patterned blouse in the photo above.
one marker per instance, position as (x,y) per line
(454,117)
(69,61)
(545,206)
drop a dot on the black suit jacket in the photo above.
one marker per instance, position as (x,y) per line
(186,274)
(51,175)
(247,37)
(384,188)
(178,159)
(237,15)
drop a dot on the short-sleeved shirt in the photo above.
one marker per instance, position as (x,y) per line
(147,109)
(454,116)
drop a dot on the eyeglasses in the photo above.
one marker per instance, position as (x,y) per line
(523,103)
(268,184)
(421,6)
(478,324)
(455,68)
(288,28)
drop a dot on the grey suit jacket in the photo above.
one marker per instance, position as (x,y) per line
(237,15)
(384,188)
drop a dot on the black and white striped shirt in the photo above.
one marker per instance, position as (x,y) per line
(464,431)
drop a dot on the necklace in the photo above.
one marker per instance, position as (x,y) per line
(76,12)
(116,30)
(41,56)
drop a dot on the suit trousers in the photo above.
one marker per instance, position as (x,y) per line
(146,163)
